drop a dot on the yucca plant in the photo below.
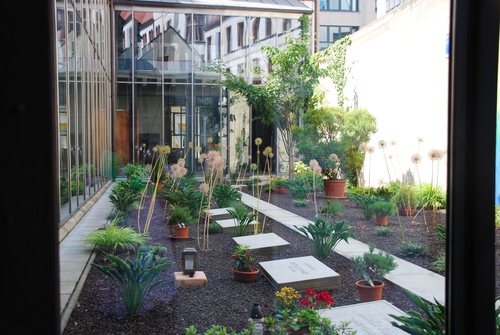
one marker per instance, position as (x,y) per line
(134,279)
(325,236)
(115,237)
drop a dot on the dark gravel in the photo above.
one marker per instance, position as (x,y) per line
(170,310)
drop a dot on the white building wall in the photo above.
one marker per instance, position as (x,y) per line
(400,75)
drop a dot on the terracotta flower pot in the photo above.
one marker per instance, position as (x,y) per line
(369,293)
(279,190)
(381,220)
(334,188)
(408,211)
(245,276)
(181,232)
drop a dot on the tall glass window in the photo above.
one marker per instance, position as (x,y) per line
(339,5)
(329,34)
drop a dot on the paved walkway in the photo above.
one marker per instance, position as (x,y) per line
(75,260)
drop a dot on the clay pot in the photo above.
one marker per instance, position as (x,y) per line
(334,188)
(245,276)
(369,293)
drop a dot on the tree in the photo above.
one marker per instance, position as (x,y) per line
(288,89)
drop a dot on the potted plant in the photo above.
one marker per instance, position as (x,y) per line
(371,268)
(405,199)
(382,210)
(279,185)
(179,220)
(243,269)
(242,217)
(333,181)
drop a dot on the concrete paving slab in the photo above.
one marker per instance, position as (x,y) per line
(220,213)
(369,318)
(229,225)
(268,243)
(300,273)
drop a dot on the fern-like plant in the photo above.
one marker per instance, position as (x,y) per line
(123,197)
(242,217)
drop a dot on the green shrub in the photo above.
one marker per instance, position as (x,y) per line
(383,230)
(214,228)
(410,249)
(300,203)
(135,170)
(325,236)
(181,214)
(364,201)
(242,217)
(225,194)
(298,188)
(431,196)
(383,208)
(439,265)
(115,237)
(123,197)
(134,279)
(332,208)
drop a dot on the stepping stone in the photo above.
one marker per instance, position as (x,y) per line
(229,225)
(220,213)
(268,243)
(300,273)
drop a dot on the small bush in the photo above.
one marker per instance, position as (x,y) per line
(383,230)
(332,208)
(439,265)
(410,249)
(300,203)
(225,194)
(115,237)
(214,228)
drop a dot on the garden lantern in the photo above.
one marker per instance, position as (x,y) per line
(189,261)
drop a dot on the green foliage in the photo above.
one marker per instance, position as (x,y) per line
(214,228)
(441,231)
(410,249)
(300,203)
(439,265)
(123,197)
(298,188)
(136,278)
(225,194)
(242,217)
(243,260)
(188,180)
(364,201)
(196,201)
(181,214)
(279,182)
(383,230)
(373,266)
(325,236)
(497,215)
(432,197)
(252,183)
(115,237)
(383,208)
(332,208)
(405,196)
(414,323)
(135,170)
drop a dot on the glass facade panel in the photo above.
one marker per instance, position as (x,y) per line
(83,100)
(339,5)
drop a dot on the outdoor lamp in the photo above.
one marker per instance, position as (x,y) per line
(258,318)
(189,261)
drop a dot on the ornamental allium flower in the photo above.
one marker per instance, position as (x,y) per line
(363,147)
(253,166)
(181,162)
(190,145)
(165,150)
(393,143)
(371,149)
(382,144)
(219,163)
(155,149)
(258,141)
(334,158)
(416,158)
(202,158)
(204,188)
(435,154)
(211,156)
(267,151)
(271,155)
(209,140)
(420,140)
(198,148)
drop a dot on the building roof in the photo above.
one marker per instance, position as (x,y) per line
(285,6)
